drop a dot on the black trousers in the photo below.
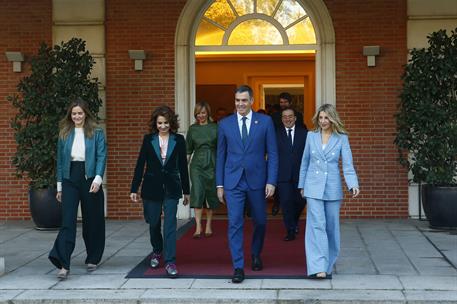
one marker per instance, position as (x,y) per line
(74,190)
(292,205)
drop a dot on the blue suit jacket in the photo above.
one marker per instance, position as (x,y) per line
(258,159)
(290,155)
(319,172)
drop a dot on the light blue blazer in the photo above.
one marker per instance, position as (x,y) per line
(319,171)
(95,158)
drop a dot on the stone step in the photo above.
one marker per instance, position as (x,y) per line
(159,296)
(2,266)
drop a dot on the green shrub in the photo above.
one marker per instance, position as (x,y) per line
(58,75)
(427,118)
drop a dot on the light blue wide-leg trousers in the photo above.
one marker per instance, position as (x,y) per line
(322,237)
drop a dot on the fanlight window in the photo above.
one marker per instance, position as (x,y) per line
(255,22)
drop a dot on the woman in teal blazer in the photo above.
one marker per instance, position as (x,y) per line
(81,159)
(165,180)
(320,183)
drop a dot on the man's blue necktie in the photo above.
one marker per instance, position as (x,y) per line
(244,131)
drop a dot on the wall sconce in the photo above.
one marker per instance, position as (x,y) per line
(371,52)
(138,56)
(16,58)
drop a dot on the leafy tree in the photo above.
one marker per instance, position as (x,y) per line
(58,75)
(427,117)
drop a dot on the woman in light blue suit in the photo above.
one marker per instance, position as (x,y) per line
(320,183)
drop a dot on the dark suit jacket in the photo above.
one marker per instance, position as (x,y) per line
(290,157)
(170,179)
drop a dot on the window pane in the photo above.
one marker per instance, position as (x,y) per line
(289,11)
(208,34)
(255,32)
(302,33)
(243,7)
(266,7)
(220,12)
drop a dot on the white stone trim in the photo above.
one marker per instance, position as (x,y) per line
(70,19)
(272,21)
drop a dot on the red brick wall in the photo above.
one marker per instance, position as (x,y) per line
(367,98)
(23,26)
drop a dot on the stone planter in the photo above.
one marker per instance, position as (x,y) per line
(46,211)
(440,206)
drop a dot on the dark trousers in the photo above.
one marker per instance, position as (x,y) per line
(74,190)
(152,214)
(236,198)
(292,205)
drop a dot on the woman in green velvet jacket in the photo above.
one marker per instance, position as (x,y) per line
(164,182)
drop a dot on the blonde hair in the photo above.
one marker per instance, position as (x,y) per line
(337,125)
(198,108)
(66,125)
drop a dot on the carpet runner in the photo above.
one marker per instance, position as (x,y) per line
(209,257)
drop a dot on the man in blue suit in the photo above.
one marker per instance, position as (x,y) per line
(291,139)
(246,170)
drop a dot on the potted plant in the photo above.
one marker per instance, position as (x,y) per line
(58,75)
(427,125)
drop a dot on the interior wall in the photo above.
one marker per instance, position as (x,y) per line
(257,71)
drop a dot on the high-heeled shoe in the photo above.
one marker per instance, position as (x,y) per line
(197,235)
(63,274)
(91,267)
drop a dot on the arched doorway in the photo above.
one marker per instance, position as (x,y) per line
(205,15)
(185,54)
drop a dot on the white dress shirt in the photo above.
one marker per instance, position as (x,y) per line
(240,121)
(292,134)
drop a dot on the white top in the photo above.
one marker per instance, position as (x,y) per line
(248,121)
(78,153)
(79,147)
(163,143)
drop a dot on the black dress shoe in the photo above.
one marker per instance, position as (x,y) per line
(275,209)
(238,276)
(257,264)
(289,237)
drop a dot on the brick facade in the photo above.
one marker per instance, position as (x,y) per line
(366,97)
(23,26)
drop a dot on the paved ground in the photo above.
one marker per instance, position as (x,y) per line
(381,262)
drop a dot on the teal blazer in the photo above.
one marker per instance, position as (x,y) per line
(95,158)
(169,179)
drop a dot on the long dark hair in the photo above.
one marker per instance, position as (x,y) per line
(66,125)
(166,112)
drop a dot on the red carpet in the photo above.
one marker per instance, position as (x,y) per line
(210,257)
